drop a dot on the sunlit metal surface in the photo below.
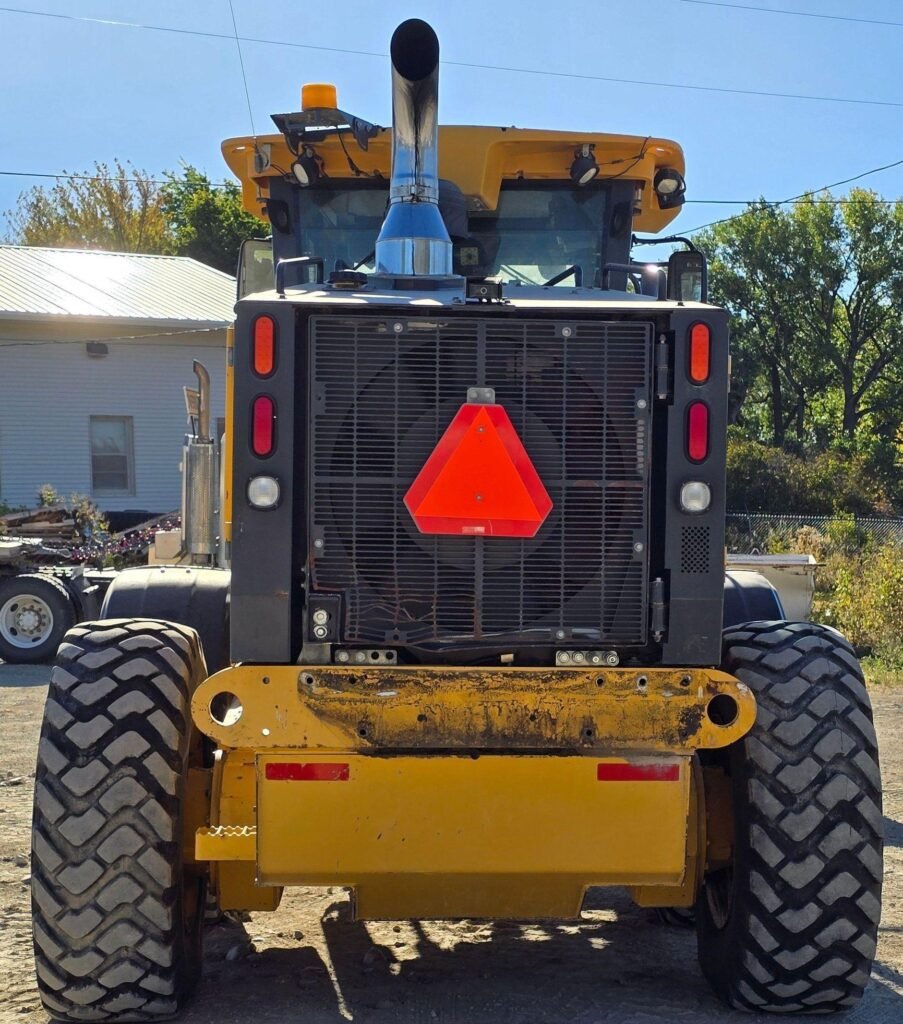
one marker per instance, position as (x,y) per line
(39,282)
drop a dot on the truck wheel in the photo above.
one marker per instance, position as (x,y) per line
(35,612)
(792,924)
(117,920)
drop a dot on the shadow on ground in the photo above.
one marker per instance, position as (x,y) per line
(604,968)
(893,832)
(24,675)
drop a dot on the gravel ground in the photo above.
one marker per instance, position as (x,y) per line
(310,962)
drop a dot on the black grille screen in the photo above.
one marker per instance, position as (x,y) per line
(382,394)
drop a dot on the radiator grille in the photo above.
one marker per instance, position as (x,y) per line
(578,396)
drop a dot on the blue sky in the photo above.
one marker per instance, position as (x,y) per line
(73,93)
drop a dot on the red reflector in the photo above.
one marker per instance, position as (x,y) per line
(698,431)
(479,480)
(638,772)
(263,425)
(264,346)
(700,353)
(309,772)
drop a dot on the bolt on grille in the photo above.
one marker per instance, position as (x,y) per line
(383,393)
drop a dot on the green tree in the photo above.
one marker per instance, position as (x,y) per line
(753,270)
(817,295)
(119,209)
(207,221)
(127,210)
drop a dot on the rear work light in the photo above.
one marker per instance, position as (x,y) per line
(263,491)
(263,426)
(263,346)
(698,431)
(700,353)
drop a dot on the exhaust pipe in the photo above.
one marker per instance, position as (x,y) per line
(199,476)
(414,239)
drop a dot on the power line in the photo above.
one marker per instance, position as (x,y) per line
(796,14)
(152,335)
(689,202)
(818,200)
(241,64)
(117,179)
(577,76)
(803,195)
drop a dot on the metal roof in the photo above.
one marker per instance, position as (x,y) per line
(39,283)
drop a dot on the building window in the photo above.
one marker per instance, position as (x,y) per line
(112,455)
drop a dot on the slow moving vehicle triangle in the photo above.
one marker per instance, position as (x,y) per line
(479,480)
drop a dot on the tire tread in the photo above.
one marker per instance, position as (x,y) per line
(807,896)
(106,873)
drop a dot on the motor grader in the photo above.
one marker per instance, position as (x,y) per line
(467,647)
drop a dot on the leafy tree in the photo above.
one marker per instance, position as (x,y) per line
(207,221)
(753,271)
(127,210)
(817,296)
(118,208)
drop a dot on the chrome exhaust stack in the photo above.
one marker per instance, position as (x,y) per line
(414,240)
(199,471)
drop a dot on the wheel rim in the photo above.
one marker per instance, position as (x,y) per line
(719,894)
(26,621)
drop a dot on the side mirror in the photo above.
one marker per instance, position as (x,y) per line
(256,270)
(688,277)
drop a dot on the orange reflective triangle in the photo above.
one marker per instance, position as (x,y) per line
(479,480)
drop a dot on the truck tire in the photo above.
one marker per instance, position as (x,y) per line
(748,597)
(117,921)
(791,926)
(197,596)
(35,612)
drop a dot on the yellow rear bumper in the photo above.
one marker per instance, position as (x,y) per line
(461,793)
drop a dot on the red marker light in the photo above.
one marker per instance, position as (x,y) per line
(317,771)
(609,772)
(700,353)
(264,346)
(263,426)
(698,431)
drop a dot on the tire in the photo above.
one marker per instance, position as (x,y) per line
(117,920)
(196,596)
(792,925)
(35,612)
(748,597)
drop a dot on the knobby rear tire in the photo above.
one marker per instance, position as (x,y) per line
(117,924)
(792,926)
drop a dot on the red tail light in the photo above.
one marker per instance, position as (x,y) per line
(700,353)
(263,426)
(698,431)
(263,352)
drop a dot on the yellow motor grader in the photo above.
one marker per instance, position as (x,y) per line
(463,641)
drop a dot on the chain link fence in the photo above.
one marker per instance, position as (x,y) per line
(751,533)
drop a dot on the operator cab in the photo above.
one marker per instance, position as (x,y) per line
(523,209)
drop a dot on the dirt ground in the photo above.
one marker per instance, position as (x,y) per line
(309,963)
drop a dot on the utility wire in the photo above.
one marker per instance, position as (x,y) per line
(808,97)
(241,64)
(796,14)
(152,335)
(803,196)
(689,202)
(116,179)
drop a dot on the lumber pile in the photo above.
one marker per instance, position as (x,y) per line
(52,524)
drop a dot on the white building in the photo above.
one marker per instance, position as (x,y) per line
(95,348)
